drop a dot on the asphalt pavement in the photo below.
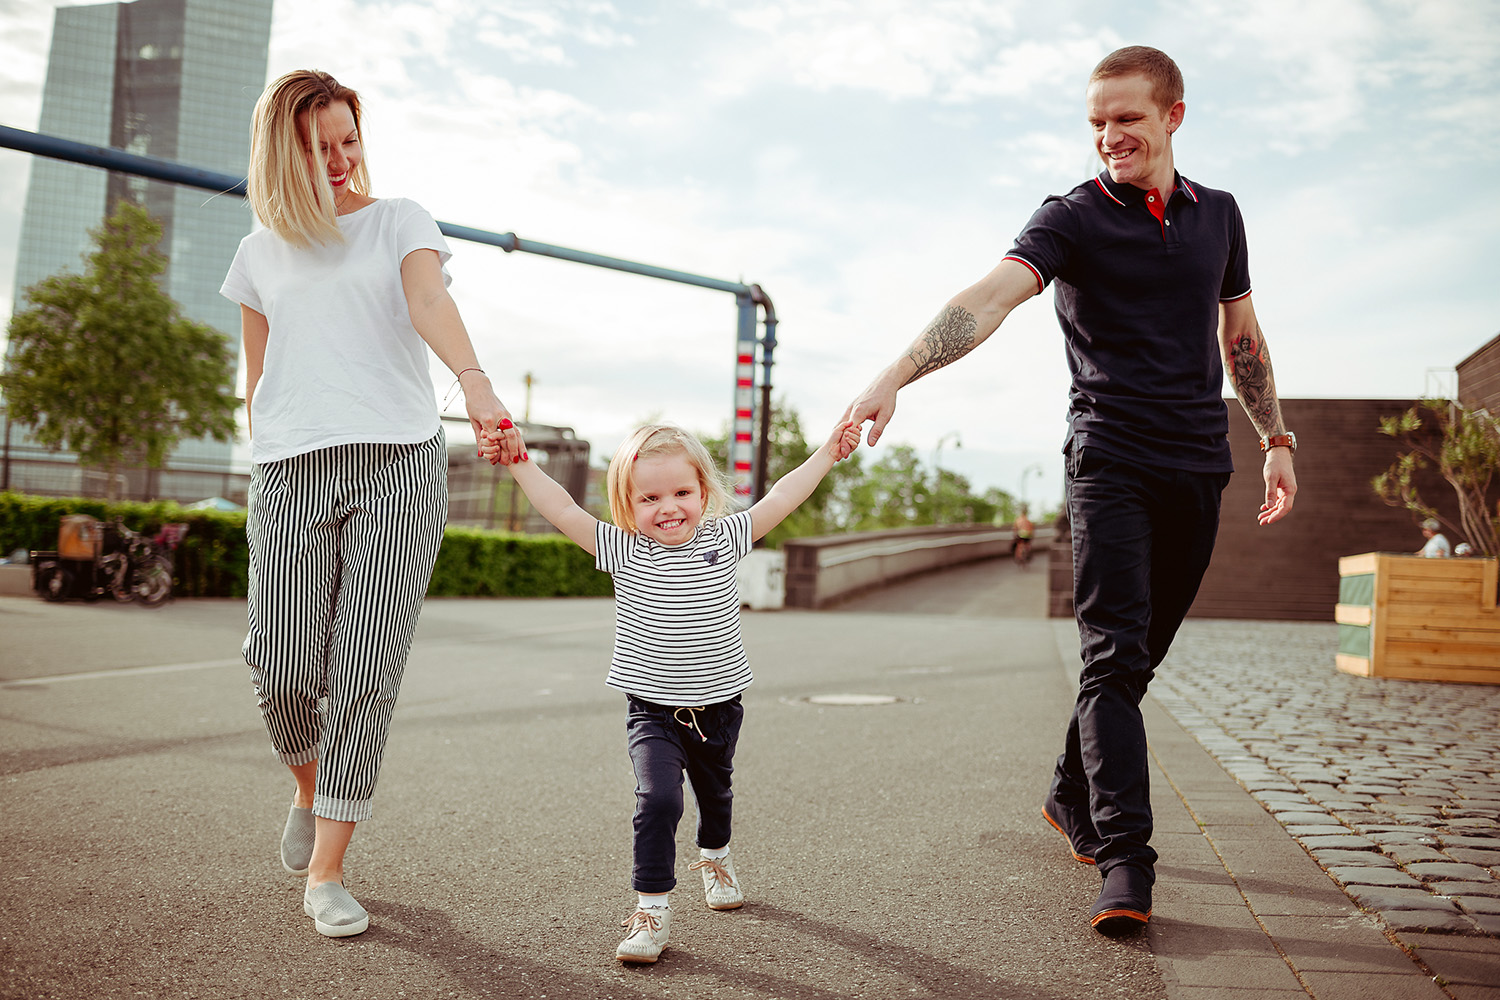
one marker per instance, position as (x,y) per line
(887,850)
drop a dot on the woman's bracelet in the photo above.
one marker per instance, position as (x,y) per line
(458,387)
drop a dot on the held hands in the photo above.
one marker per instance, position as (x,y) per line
(1281,486)
(844,439)
(503,446)
(490,420)
(877,403)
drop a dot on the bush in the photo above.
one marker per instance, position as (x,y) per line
(214,561)
(478,563)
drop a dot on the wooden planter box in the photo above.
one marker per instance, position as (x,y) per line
(1419,619)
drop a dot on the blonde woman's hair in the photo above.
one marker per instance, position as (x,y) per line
(292,201)
(663,439)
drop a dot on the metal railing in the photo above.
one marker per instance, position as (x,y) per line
(748,467)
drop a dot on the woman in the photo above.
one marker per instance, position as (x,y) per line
(340,296)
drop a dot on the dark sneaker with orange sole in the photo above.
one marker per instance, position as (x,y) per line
(1124,904)
(1083,842)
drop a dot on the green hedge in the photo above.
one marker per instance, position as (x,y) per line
(477,563)
(212,560)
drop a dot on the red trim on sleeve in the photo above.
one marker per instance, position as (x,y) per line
(1041,285)
(1236,298)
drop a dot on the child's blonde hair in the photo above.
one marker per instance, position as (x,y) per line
(663,439)
(291,201)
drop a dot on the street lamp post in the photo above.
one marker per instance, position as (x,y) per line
(937,474)
(1024,473)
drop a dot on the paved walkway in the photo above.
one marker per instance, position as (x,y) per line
(901,854)
(1392,788)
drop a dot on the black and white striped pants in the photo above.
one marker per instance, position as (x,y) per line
(342,544)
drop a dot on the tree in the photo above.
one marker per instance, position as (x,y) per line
(1464,444)
(104,365)
(895,491)
(789,448)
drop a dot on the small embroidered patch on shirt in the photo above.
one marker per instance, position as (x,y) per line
(711,556)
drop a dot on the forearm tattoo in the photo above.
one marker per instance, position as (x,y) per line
(1249,369)
(947,338)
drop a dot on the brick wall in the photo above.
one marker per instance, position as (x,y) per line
(1479,377)
(1289,571)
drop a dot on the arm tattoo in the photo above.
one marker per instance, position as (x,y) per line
(947,338)
(1249,369)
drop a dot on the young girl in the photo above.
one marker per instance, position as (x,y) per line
(340,297)
(678,653)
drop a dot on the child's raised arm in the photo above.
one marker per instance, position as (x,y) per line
(796,486)
(550,500)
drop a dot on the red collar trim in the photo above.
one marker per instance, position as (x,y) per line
(1099,180)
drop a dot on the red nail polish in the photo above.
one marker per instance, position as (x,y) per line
(506,425)
(525,456)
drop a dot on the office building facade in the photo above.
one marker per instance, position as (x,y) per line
(173,79)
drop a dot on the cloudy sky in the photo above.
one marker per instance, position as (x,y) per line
(863,160)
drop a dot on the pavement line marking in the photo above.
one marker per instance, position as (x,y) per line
(173,668)
(94,675)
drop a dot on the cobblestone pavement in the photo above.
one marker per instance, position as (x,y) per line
(1393,786)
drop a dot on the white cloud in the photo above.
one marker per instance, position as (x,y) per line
(863,162)
(539,32)
(893,48)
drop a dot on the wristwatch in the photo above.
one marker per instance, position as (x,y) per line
(1287,440)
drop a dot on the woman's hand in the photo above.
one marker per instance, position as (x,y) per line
(498,440)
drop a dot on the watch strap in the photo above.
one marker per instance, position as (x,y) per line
(1287,440)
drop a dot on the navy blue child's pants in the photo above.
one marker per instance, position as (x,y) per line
(662,748)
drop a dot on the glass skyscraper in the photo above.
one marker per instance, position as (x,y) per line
(174,79)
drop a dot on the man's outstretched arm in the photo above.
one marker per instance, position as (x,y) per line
(1247,362)
(963,324)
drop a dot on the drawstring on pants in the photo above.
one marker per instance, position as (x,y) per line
(692,720)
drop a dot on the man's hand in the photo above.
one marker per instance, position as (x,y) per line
(1281,485)
(876,403)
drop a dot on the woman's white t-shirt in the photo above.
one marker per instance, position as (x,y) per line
(343,362)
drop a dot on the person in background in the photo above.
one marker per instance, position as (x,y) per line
(1436,546)
(1025,533)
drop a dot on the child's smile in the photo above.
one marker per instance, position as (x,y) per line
(666,498)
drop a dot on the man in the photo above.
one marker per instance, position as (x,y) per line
(1020,546)
(1150,271)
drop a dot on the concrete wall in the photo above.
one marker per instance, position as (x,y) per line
(823,569)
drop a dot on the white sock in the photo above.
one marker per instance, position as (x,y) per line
(715,855)
(653,900)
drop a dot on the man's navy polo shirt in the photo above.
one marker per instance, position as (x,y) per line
(1138,299)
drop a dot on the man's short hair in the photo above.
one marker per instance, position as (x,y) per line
(1154,64)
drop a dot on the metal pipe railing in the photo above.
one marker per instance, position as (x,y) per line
(172,172)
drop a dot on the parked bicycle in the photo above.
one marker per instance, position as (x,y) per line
(93,560)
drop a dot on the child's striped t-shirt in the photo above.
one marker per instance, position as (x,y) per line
(677,612)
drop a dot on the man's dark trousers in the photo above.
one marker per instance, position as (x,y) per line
(1142,539)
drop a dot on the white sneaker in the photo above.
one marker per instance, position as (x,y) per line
(721,890)
(645,935)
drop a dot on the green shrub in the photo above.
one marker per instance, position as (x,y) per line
(478,563)
(210,561)
(214,561)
